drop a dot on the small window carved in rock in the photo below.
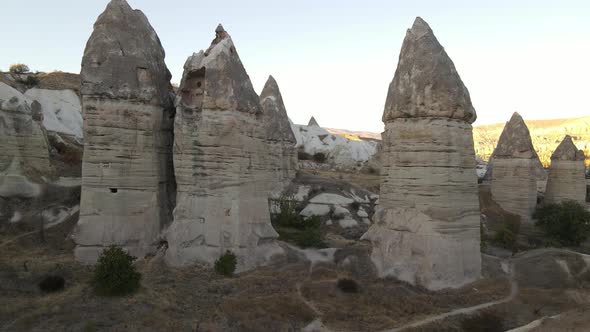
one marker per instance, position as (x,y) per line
(114,190)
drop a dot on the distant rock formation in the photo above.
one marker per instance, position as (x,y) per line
(313,122)
(24,154)
(282,159)
(427,224)
(514,166)
(566,174)
(127,173)
(219,157)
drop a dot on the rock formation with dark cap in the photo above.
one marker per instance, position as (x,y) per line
(566,175)
(514,167)
(282,159)
(127,173)
(428,221)
(220,152)
(24,153)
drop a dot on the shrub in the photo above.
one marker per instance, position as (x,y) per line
(567,223)
(347,285)
(507,236)
(355,205)
(115,273)
(226,264)
(483,322)
(319,157)
(19,68)
(31,81)
(287,216)
(302,155)
(372,170)
(51,284)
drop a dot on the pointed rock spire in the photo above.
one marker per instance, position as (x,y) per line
(275,114)
(313,122)
(124,57)
(426,83)
(567,150)
(220,76)
(515,140)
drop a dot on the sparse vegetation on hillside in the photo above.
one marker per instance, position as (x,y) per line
(507,236)
(347,285)
(115,274)
(566,223)
(294,228)
(226,264)
(485,321)
(319,157)
(19,68)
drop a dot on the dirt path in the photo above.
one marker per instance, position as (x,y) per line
(467,310)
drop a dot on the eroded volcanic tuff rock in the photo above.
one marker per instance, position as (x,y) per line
(428,219)
(220,152)
(514,168)
(282,157)
(566,175)
(24,155)
(127,173)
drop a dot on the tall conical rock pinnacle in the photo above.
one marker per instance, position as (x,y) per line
(426,83)
(313,122)
(275,113)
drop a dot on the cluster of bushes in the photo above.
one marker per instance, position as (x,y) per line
(318,157)
(565,224)
(304,232)
(19,68)
(347,285)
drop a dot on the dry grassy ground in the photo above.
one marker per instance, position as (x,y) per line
(284,297)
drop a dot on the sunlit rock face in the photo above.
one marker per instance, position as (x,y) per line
(127,172)
(219,159)
(282,156)
(513,174)
(24,155)
(428,219)
(566,180)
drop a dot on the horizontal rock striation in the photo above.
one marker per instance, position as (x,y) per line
(127,173)
(24,154)
(219,159)
(567,179)
(514,170)
(428,220)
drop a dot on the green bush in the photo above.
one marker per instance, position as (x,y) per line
(319,157)
(507,236)
(226,264)
(483,322)
(348,285)
(31,81)
(302,155)
(287,216)
(115,273)
(19,68)
(567,223)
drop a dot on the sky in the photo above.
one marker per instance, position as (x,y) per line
(334,59)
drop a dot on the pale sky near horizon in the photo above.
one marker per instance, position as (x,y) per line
(335,59)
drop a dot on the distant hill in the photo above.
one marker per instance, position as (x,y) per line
(546,135)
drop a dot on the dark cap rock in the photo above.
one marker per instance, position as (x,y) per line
(124,58)
(426,83)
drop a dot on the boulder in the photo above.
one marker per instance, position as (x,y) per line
(513,167)
(426,227)
(127,174)
(567,174)
(220,155)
